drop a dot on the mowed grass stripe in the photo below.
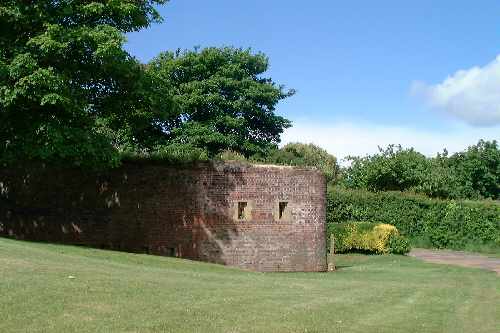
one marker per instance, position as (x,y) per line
(122,292)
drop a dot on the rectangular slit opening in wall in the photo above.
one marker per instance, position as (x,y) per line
(171,252)
(282,208)
(242,206)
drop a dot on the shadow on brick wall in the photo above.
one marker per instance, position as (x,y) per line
(138,207)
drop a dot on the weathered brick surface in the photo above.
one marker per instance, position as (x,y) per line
(189,212)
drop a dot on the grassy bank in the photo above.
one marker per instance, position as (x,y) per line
(52,288)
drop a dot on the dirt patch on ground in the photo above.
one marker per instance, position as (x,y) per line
(458,258)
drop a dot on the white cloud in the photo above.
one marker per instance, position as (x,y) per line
(472,95)
(344,139)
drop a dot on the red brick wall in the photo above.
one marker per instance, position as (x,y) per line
(189,212)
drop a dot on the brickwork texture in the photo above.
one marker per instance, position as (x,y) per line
(256,217)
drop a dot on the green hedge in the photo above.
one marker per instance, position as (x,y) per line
(470,225)
(365,236)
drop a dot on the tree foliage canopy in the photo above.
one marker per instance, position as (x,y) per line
(471,174)
(70,93)
(393,168)
(477,170)
(65,80)
(222,100)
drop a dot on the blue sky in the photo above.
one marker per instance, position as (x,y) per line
(367,73)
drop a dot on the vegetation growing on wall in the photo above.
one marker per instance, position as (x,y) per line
(301,154)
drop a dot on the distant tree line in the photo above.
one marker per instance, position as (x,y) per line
(471,174)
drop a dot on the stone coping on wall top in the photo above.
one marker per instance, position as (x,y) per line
(221,164)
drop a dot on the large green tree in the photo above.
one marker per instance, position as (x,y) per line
(477,170)
(223,101)
(393,168)
(68,89)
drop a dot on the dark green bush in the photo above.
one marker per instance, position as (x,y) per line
(436,223)
(399,244)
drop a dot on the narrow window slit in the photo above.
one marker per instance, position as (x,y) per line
(171,252)
(282,207)
(242,210)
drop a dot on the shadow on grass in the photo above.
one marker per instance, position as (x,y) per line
(356,251)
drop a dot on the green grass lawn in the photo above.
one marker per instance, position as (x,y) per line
(120,292)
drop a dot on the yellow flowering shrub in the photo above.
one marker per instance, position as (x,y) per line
(370,237)
(379,237)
